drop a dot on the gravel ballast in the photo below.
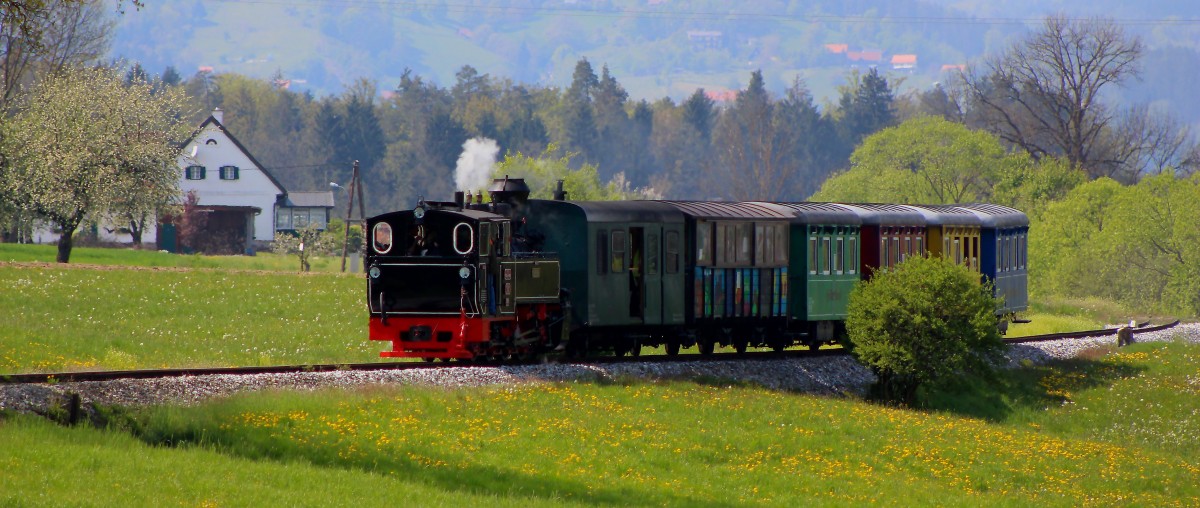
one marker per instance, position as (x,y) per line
(826,375)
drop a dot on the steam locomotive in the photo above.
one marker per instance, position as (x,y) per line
(521,278)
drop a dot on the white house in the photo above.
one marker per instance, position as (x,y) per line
(243,204)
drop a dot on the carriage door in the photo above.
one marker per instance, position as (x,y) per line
(653,309)
(637,273)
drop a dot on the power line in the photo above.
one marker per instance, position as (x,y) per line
(706,15)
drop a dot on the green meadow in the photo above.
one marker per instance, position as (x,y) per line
(56,318)
(1117,430)
(1114,428)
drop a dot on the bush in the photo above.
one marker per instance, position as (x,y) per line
(926,322)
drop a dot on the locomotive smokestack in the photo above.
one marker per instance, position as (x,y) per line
(458,199)
(513,191)
(559,193)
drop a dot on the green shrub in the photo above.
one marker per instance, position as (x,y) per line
(927,322)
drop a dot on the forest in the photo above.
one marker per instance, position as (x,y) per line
(1034,126)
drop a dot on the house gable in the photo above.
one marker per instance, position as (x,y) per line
(243,182)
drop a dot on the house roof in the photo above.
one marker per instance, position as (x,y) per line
(318,198)
(904,59)
(213,120)
(837,48)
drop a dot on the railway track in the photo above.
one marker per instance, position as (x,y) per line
(82,376)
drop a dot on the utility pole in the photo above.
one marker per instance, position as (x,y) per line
(355,186)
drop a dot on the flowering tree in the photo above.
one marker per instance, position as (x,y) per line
(304,244)
(83,142)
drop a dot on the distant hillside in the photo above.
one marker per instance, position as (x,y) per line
(655,48)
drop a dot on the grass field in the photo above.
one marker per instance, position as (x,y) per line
(1109,429)
(124,309)
(10,252)
(71,318)
(1116,430)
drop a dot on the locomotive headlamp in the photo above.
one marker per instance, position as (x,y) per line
(419,212)
(374,272)
(464,272)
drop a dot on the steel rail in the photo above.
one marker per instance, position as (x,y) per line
(111,375)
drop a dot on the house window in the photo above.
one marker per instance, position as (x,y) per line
(317,216)
(229,172)
(283,218)
(194,172)
(299,218)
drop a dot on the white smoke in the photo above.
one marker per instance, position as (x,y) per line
(474,169)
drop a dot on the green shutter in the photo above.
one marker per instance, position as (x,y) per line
(203,172)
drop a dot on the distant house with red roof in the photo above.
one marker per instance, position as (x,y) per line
(904,61)
(837,49)
(721,95)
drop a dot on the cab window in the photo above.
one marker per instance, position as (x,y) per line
(485,238)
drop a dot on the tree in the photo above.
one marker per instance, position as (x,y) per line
(751,153)
(866,107)
(41,37)
(926,323)
(84,139)
(304,244)
(1045,93)
(924,160)
(543,172)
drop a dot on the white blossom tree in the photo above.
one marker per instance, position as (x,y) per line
(85,144)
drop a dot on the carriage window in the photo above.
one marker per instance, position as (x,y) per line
(1023,252)
(781,244)
(601,252)
(704,246)
(907,248)
(760,241)
(813,255)
(895,253)
(837,256)
(883,253)
(957,252)
(485,238)
(672,252)
(381,238)
(618,251)
(921,245)
(652,255)
(464,238)
(743,244)
(825,255)
(853,268)
(724,245)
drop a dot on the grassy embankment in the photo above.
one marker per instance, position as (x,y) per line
(1119,430)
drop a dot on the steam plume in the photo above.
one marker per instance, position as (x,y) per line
(474,168)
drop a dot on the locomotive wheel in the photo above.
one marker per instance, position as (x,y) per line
(636,349)
(429,359)
(705,346)
(739,345)
(672,348)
